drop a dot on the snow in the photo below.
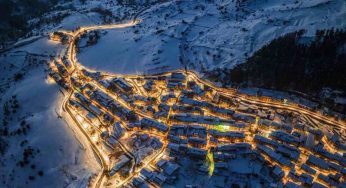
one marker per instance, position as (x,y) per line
(41,46)
(237,170)
(212,39)
(26,40)
(117,51)
(77,19)
(61,155)
(64,160)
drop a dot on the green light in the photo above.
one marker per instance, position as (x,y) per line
(221,128)
(210,160)
(257,119)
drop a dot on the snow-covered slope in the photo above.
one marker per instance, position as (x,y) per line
(38,148)
(118,52)
(41,149)
(207,34)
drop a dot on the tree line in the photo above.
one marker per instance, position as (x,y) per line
(15,14)
(294,62)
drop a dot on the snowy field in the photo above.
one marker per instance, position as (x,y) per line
(63,160)
(118,52)
(39,146)
(206,35)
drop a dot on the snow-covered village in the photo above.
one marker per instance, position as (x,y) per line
(173,93)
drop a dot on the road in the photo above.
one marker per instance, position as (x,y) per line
(72,58)
(293,107)
(102,159)
(232,93)
(71,51)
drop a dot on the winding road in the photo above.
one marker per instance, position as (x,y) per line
(71,56)
(65,107)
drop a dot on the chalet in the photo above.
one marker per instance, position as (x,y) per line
(122,161)
(197,142)
(177,140)
(273,155)
(196,152)
(244,117)
(235,148)
(175,80)
(148,86)
(315,161)
(306,179)
(59,37)
(82,98)
(153,124)
(230,135)
(118,131)
(278,172)
(95,110)
(308,169)
(290,184)
(91,75)
(119,84)
(285,137)
(107,119)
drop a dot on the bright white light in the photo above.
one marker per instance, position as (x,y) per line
(79,118)
(50,80)
(85,125)
(94,138)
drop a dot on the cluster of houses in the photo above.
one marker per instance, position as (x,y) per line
(166,172)
(226,136)
(183,149)
(143,145)
(122,161)
(176,80)
(285,149)
(204,120)
(59,37)
(120,85)
(190,120)
(192,135)
(59,71)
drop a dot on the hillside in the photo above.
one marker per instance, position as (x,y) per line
(14,16)
(37,148)
(295,63)
(21,18)
(204,35)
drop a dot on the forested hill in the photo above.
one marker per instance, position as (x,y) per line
(290,63)
(15,14)
(294,62)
